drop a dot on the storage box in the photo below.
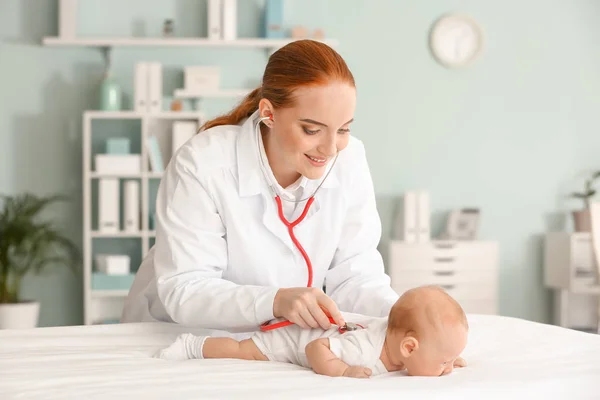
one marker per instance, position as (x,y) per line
(118,146)
(102,281)
(113,264)
(200,78)
(115,164)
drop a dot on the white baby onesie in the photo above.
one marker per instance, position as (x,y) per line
(356,348)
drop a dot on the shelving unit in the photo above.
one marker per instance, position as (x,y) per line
(104,305)
(171,42)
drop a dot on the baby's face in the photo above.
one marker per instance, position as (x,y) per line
(436,353)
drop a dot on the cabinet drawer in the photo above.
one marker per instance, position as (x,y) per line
(582,253)
(435,255)
(479,306)
(460,291)
(443,276)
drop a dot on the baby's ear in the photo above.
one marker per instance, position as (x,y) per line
(408,346)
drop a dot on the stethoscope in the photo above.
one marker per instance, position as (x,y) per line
(290,225)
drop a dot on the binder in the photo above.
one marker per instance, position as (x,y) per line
(156,86)
(274,19)
(67,25)
(131,200)
(406,219)
(229,18)
(182,132)
(214,19)
(140,87)
(108,207)
(423,217)
(155,154)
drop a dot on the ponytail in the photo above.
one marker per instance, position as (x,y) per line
(245,109)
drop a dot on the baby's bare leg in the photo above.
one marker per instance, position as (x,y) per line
(230,348)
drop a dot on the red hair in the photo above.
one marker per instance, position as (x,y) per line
(297,64)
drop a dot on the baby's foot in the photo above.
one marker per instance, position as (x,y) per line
(185,347)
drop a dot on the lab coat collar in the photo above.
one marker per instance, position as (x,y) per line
(251,179)
(250,176)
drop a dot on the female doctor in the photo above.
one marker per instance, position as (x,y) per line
(224,256)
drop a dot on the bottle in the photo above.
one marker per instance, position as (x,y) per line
(110,93)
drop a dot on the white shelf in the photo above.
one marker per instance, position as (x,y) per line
(183,94)
(169,42)
(97,234)
(129,114)
(110,293)
(95,175)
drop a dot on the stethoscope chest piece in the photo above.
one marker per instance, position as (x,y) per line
(349,327)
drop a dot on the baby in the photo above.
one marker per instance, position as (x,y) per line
(424,334)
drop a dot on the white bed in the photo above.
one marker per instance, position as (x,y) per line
(508,359)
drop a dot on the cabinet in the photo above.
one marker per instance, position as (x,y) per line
(570,271)
(467,270)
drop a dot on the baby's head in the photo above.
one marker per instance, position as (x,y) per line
(427,331)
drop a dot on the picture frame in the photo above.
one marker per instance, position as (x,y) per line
(462,224)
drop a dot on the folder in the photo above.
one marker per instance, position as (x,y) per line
(214,19)
(406,219)
(229,18)
(131,209)
(423,217)
(155,87)
(140,87)
(182,132)
(67,19)
(108,207)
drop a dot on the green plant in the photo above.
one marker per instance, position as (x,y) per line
(588,190)
(28,245)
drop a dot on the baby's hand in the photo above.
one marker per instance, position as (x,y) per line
(460,363)
(357,372)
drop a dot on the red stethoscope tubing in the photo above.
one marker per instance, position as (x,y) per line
(290,226)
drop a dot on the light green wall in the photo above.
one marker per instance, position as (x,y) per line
(510,134)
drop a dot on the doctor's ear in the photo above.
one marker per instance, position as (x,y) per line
(266,111)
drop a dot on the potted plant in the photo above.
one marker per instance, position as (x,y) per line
(28,245)
(581,218)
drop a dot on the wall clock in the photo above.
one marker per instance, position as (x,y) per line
(456,40)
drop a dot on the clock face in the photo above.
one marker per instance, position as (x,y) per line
(456,40)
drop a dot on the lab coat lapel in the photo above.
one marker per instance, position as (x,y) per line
(272,221)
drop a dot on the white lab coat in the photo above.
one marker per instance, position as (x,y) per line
(221,251)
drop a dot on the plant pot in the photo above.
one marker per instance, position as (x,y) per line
(22,315)
(582,220)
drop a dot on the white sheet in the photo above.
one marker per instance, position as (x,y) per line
(508,359)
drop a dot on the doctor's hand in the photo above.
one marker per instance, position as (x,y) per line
(306,307)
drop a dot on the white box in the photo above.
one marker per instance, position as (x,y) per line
(131,206)
(67,19)
(108,205)
(156,87)
(202,78)
(182,132)
(141,87)
(229,18)
(214,19)
(423,217)
(406,219)
(115,164)
(113,264)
